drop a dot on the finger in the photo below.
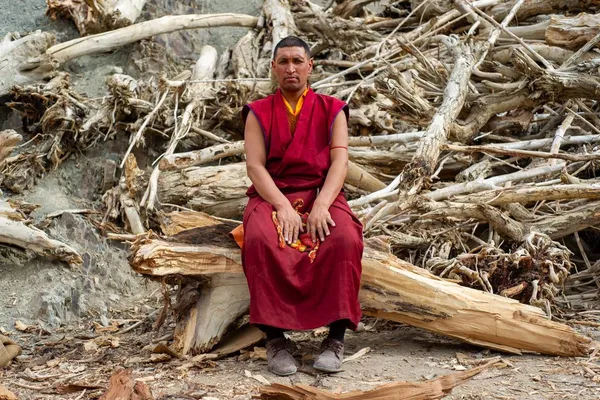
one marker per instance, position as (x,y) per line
(286,232)
(295,235)
(313,232)
(321,234)
(326,228)
(330,220)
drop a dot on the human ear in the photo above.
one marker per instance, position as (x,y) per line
(310,65)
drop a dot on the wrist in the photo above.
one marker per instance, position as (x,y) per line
(319,203)
(281,204)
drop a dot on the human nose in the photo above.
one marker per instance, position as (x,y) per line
(291,68)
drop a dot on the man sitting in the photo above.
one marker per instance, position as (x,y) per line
(302,245)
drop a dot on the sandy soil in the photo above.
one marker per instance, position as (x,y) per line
(397,353)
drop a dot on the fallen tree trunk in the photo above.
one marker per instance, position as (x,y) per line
(16,233)
(572,33)
(217,190)
(391,289)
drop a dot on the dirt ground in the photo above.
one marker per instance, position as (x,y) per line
(71,312)
(51,363)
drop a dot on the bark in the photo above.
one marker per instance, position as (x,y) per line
(396,290)
(569,222)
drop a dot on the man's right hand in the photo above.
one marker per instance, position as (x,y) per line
(290,223)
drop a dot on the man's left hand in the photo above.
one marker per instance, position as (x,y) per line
(318,222)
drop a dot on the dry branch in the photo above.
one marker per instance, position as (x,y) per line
(120,37)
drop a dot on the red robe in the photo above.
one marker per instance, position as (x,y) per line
(286,289)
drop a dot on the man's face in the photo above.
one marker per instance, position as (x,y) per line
(291,68)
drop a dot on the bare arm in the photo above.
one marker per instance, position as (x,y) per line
(320,218)
(256,159)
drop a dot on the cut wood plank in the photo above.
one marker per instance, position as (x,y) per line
(395,290)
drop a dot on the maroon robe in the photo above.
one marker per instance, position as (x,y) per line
(286,289)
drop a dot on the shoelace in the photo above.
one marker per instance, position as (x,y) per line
(336,347)
(277,347)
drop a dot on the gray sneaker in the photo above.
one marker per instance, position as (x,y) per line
(331,357)
(279,358)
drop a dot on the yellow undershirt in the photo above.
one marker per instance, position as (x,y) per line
(298,104)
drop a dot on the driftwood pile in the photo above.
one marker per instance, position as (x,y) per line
(473,152)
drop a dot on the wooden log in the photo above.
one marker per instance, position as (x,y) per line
(97,16)
(17,233)
(362,179)
(109,40)
(532,8)
(180,161)
(221,190)
(24,60)
(122,386)
(574,32)
(425,159)
(396,290)
(206,188)
(6,394)
(531,194)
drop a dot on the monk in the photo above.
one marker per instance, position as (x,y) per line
(302,245)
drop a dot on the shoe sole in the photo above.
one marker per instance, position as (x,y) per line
(329,371)
(286,374)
